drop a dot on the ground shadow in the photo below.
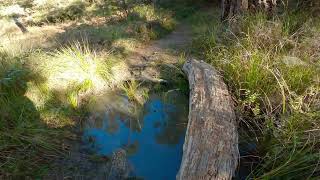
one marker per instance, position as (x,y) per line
(26,144)
(29,144)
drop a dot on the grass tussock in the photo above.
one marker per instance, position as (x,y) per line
(272,68)
(41,97)
(73,71)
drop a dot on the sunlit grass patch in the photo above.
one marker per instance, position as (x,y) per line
(64,78)
(69,74)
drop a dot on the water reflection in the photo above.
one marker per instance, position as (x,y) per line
(152,135)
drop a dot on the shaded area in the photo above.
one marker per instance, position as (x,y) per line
(28,144)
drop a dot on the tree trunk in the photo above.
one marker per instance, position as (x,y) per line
(210,150)
(231,8)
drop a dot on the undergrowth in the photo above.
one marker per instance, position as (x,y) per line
(272,69)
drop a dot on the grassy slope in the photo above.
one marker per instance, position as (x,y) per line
(272,67)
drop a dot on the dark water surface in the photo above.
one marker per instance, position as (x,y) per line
(152,134)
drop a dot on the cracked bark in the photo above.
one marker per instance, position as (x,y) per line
(210,150)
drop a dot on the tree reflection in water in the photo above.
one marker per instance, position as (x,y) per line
(152,134)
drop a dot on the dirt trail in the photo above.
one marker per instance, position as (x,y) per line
(144,63)
(165,49)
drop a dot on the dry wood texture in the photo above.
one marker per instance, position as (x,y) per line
(210,150)
(230,8)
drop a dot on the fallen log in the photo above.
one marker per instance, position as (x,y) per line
(210,150)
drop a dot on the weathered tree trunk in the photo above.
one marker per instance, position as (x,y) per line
(231,8)
(210,150)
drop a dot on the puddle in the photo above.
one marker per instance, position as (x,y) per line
(152,134)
